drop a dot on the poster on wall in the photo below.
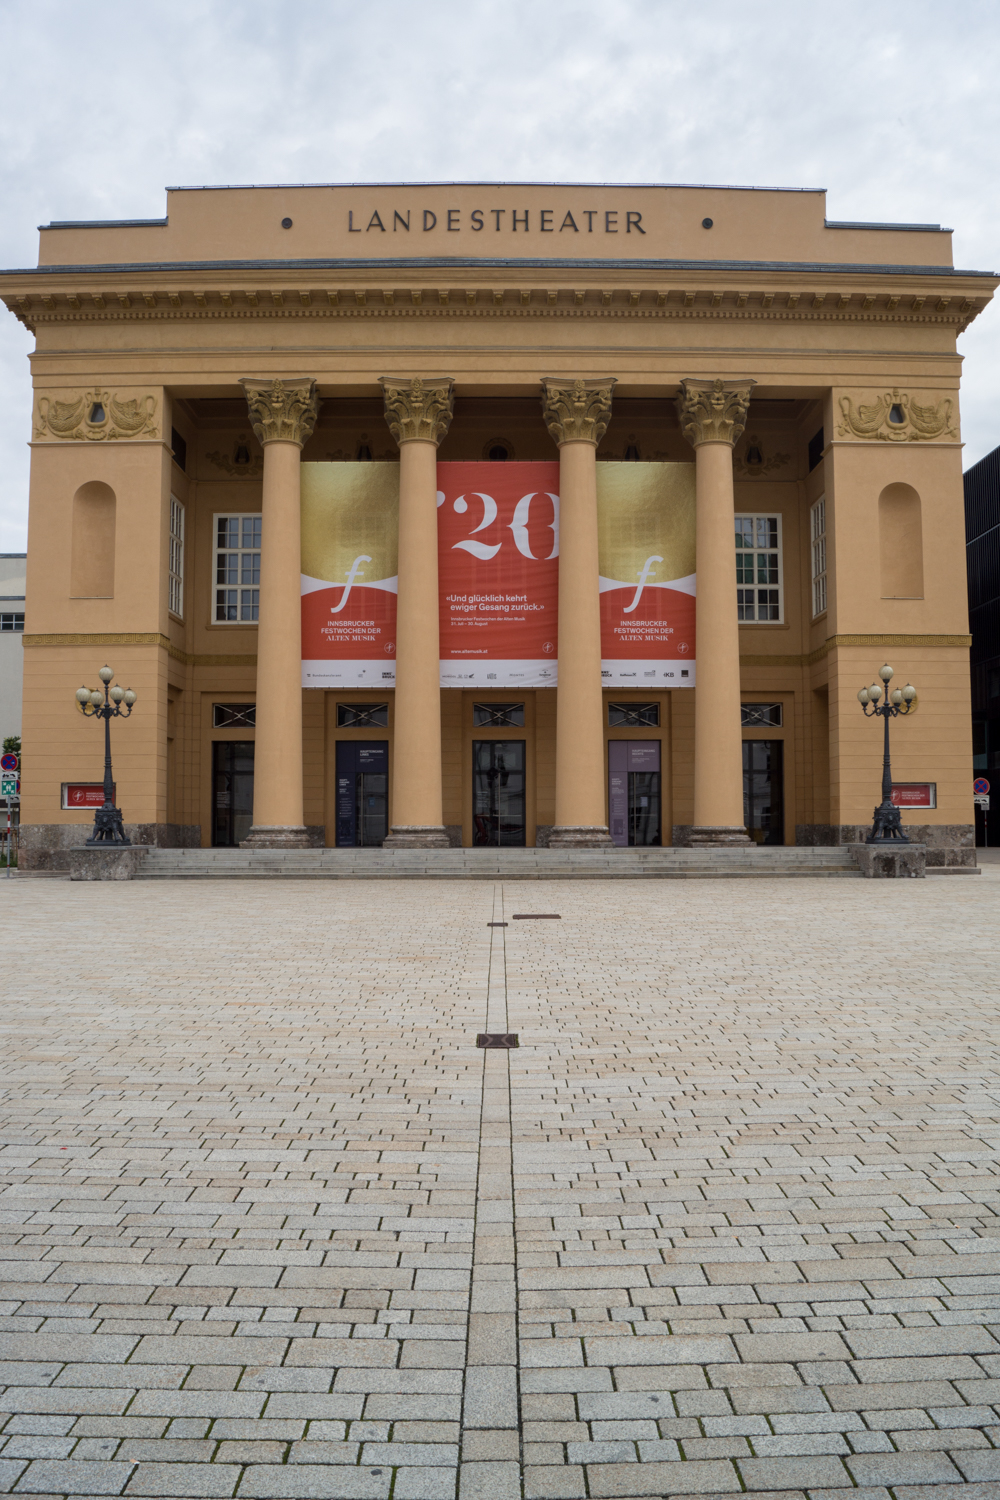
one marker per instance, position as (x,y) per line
(646,549)
(350,527)
(498,573)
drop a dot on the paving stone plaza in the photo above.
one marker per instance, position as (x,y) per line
(273,1225)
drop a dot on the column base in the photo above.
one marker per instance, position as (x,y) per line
(722,837)
(280,836)
(417,836)
(584,837)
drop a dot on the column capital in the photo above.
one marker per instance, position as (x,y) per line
(418,411)
(282,411)
(713,411)
(577,411)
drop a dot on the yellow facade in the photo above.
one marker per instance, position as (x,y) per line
(499,299)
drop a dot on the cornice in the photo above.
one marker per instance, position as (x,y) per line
(834,642)
(138,638)
(941,305)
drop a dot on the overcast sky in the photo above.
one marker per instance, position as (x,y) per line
(893,107)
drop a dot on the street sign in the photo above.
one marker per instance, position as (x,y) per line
(982,800)
(980,787)
(8,761)
(9,786)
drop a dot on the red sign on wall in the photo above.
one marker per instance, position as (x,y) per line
(498,573)
(83,794)
(914,794)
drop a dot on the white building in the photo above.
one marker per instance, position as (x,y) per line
(12,574)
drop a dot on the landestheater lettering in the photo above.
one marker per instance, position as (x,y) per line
(495,514)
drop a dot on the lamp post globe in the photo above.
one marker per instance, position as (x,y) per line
(115,702)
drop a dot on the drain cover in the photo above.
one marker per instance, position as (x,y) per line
(497,1039)
(537,916)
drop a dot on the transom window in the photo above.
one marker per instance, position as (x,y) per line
(818,533)
(760,715)
(175,600)
(498,715)
(362,715)
(758,568)
(234,715)
(237,568)
(633,715)
(11,620)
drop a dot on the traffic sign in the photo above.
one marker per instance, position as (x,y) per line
(9,786)
(981,787)
(8,761)
(982,800)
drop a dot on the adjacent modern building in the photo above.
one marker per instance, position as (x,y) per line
(475,514)
(982,524)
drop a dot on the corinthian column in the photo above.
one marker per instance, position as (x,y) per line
(419,414)
(283,414)
(577,413)
(713,416)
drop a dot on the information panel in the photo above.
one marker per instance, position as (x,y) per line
(498,573)
(646,530)
(350,527)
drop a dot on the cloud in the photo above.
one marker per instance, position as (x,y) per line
(101,109)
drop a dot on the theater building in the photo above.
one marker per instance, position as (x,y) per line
(475,514)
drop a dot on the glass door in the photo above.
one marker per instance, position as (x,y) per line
(232,792)
(634,793)
(763,790)
(362,793)
(498,792)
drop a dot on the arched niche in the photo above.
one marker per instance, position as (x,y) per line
(92,567)
(901,542)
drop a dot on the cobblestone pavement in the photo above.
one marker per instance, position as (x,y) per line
(259,1187)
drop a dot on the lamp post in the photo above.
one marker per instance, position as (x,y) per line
(116,703)
(886,828)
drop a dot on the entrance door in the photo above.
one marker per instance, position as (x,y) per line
(498,792)
(232,791)
(763,790)
(362,793)
(634,792)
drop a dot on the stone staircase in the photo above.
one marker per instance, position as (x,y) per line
(493,864)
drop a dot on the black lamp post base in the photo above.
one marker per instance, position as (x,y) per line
(887,827)
(108,826)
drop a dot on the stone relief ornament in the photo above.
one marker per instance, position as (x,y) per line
(282,411)
(418,410)
(751,462)
(240,463)
(96,417)
(894,417)
(711,411)
(577,411)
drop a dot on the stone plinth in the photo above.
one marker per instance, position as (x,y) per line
(277,836)
(718,838)
(417,836)
(891,861)
(106,861)
(590,837)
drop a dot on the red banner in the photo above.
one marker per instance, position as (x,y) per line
(498,573)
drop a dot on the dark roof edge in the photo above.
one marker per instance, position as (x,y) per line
(472,263)
(866,224)
(105,224)
(728,187)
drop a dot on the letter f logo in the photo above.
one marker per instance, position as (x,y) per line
(354,573)
(643,576)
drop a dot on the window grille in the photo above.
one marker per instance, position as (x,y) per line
(633,715)
(760,715)
(818,533)
(234,715)
(498,715)
(362,715)
(237,568)
(175,601)
(758,568)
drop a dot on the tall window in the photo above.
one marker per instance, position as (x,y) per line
(176,577)
(237,568)
(758,568)
(818,533)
